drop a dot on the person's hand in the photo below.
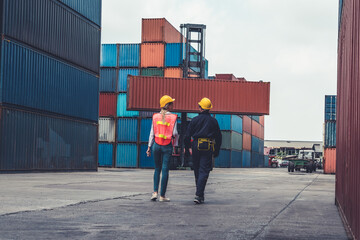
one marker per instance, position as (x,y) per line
(148,152)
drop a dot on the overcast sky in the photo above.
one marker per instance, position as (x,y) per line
(290,43)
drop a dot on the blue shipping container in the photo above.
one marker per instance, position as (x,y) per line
(38,142)
(173,54)
(145,127)
(31,79)
(224,121)
(121,107)
(223,160)
(266,160)
(109,55)
(55,29)
(236,123)
(108,79)
(257,159)
(330,107)
(256,118)
(236,159)
(246,158)
(255,144)
(145,161)
(330,134)
(129,55)
(90,9)
(105,154)
(123,74)
(126,155)
(127,130)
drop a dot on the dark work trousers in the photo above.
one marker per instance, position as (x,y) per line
(202,164)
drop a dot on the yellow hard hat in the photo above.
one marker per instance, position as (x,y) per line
(165,100)
(205,103)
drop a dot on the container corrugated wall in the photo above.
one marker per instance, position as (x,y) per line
(236,124)
(247,124)
(107,104)
(246,141)
(123,74)
(108,79)
(45,143)
(223,160)
(106,154)
(145,127)
(329,160)
(152,72)
(256,129)
(231,140)
(88,8)
(31,22)
(121,107)
(126,155)
(127,130)
(145,162)
(129,55)
(330,107)
(348,111)
(173,55)
(236,159)
(246,158)
(106,129)
(159,30)
(173,73)
(330,134)
(32,79)
(109,55)
(152,55)
(224,121)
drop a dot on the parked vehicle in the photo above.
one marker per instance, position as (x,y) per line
(284,163)
(305,159)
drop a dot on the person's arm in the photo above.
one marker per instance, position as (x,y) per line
(151,140)
(176,135)
(218,139)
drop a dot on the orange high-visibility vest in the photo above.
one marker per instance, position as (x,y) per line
(163,131)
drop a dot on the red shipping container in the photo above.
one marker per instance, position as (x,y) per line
(173,72)
(348,112)
(246,141)
(262,120)
(329,160)
(228,97)
(152,55)
(159,30)
(247,124)
(256,129)
(226,77)
(262,132)
(107,104)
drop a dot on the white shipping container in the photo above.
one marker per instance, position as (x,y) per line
(106,129)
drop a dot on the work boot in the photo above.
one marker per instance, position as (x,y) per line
(154,196)
(199,200)
(164,199)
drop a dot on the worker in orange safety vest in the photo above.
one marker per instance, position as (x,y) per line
(163,135)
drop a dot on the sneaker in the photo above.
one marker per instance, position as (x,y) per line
(164,199)
(198,200)
(154,196)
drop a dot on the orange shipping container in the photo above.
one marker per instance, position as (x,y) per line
(262,132)
(173,72)
(159,30)
(262,120)
(152,55)
(255,129)
(246,124)
(246,141)
(329,160)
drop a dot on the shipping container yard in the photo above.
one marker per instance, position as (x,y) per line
(80,87)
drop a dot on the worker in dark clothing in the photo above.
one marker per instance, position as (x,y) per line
(205,131)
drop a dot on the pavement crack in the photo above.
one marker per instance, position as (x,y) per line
(284,208)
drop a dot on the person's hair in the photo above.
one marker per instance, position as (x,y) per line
(164,110)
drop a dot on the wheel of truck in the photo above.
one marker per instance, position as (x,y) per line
(289,168)
(292,170)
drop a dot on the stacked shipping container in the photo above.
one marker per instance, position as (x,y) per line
(330,134)
(159,54)
(49,85)
(348,110)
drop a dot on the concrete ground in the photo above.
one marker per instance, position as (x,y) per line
(114,204)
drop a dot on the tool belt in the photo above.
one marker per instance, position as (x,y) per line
(206,144)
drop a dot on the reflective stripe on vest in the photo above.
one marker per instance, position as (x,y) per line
(163,131)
